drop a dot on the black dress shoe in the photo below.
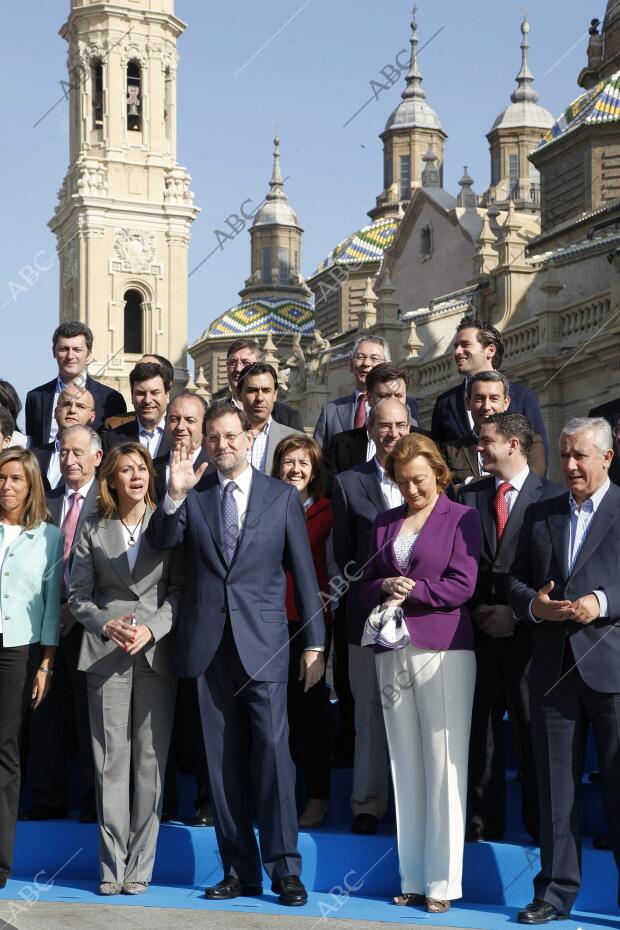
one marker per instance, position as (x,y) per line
(232,887)
(87,816)
(602,842)
(365,825)
(203,817)
(539,912)
(39,812)
(3,881)
(475,833)
(290,891)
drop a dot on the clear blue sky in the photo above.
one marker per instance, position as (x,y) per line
(310,78)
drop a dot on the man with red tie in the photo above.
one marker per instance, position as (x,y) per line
(503,644)
(69,504)
(351,411)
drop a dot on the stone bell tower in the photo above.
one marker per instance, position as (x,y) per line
(125,207)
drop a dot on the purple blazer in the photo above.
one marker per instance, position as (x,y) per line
(444,566)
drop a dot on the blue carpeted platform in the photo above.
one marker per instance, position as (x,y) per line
(348,876)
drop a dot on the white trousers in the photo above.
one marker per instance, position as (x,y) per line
(427,700)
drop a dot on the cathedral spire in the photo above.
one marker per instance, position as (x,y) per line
(414,89)
(276,184)
(525,92)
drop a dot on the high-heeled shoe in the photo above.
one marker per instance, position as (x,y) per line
(314,814)
(409,899)
(435,906)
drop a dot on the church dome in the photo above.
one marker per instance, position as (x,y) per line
(276,210)
(262,316)
(365,245)
(524,112)
(600,104)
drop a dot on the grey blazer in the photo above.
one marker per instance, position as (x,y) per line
(277,432)
(103,588)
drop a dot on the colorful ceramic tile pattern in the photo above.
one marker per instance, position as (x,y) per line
(265,316)
(367,245)
(600,104)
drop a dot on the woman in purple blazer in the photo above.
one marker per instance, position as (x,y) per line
(426,560)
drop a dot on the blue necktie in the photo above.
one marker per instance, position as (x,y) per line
(230,521)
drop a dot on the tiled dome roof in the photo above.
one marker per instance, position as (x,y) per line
(265,315)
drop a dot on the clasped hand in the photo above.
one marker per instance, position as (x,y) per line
(584,610)
(398,588)
(130,638)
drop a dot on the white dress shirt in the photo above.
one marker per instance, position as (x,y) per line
(516,485)
(391,494)
(54,475)
(60,386)
(241,494)
(151,439)
(66,500)
(257,455)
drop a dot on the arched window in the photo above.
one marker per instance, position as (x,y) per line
(96,76)
(134,96)
(132,323)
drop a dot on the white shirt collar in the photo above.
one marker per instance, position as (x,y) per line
(517,481)
(243,481)
(265,430)
(596,498)
(83,491)
(381,472)
(159,428)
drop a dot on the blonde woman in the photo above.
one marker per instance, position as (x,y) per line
(126,594)
(31,563)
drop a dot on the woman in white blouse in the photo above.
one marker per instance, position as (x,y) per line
(126,595)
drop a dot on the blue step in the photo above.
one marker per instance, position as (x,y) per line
(336,864)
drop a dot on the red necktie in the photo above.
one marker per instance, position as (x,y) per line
(501,508)
(69,525)
(360,412)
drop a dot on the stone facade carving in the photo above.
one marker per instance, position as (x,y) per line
(135,249)
(177,188)
(91,178)
(69,263)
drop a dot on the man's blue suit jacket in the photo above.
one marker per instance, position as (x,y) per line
(542,556)
(40,408)
(338,415)
(450,420)
(252,590)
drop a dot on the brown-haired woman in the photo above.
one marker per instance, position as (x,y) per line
(298,461)
(423,557)
(31,562)
(126,594)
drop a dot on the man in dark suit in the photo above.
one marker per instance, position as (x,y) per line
(359,495)
(75,407)
(150,394)
(611,412)
(80,454)
(72,346)
(353,446)
(487,393)
(184,427)
(351,411)
(565,579)
(503,646)
(478,346)
(241,530)
(242,353)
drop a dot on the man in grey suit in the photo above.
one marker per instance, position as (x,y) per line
(239,530)
(80,454)
(359,495)
(351,411)
(258,390)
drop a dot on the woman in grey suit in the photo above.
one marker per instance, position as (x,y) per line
(126,595)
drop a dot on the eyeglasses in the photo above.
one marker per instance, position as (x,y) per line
(375,359)
(238,363)
(229,438)
(70,404)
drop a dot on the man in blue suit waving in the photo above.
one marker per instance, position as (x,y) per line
(241,530)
